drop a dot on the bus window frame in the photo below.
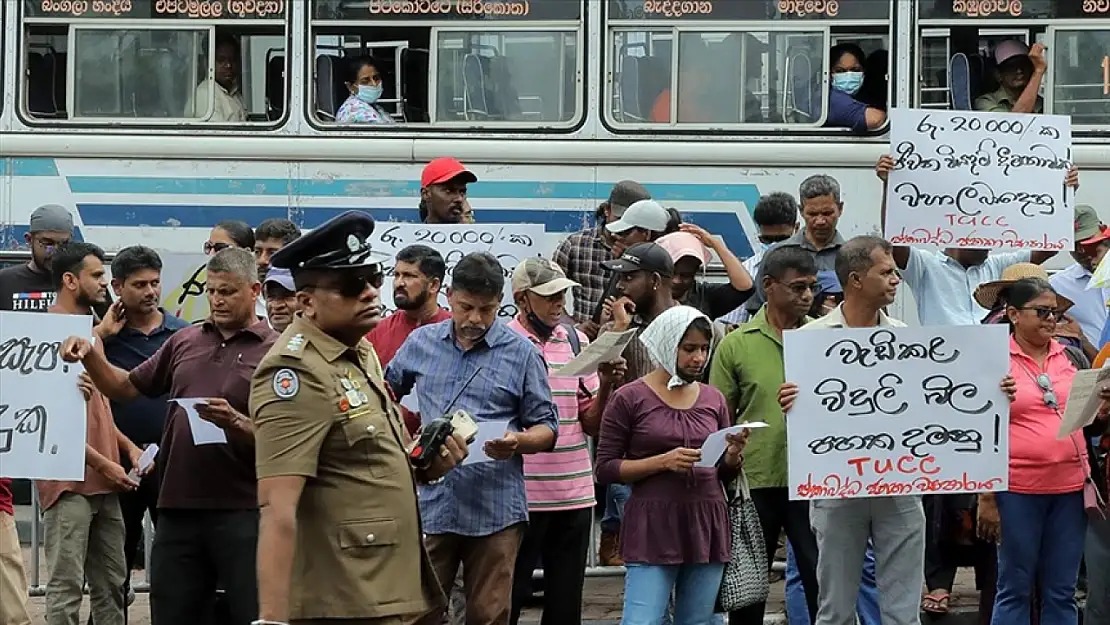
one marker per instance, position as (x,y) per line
(1016,26)
(945,33)
(71,73)
(1049,85)
(520,27)
(126,125)
(436,26)
(609,70)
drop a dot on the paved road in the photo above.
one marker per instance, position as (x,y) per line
(602,604)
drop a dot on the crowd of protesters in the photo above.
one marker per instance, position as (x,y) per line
(315,510)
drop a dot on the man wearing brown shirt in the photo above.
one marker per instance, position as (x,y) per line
(208,505)
(84,524)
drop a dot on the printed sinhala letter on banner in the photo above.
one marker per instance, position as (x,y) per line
(42,412)
(897,411)
(509,243)
(980,180)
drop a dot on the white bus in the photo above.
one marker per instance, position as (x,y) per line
(548,101)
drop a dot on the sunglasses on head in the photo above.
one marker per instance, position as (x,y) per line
(212,248)
(1048,394)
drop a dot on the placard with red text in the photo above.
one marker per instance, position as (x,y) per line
(897,411)
(980,180)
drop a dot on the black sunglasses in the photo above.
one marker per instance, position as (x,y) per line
(1044,314)
(351,284)
(768,239)
(212,248)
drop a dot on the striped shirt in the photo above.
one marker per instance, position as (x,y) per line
(562,479)
(482,498)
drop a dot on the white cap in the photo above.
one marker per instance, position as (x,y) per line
(646,214)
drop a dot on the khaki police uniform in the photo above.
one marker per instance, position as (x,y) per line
(322,415)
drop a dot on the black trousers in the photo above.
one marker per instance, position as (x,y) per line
(561,540)
(197,551)
(777,514)
(134,505)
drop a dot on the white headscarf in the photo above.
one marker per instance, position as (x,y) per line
(662,336)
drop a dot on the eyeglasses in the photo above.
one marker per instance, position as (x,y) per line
(211,248)
(1044,314)
(1049,395)
(768,239)
(351,285)
(800,288)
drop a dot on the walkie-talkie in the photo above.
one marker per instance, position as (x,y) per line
(434,434)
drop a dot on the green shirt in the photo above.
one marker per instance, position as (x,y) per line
(999,101)
(748,369)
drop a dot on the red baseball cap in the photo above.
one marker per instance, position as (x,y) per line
(443,169)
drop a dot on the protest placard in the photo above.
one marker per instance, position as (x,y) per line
(510,243)
(42,412)
(183,278)
(897,411)
(980,180)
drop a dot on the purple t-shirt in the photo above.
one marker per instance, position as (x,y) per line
(637,424)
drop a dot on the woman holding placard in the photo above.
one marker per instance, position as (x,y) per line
(1039,523)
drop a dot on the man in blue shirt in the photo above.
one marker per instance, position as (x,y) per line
(134,328)
(475,515)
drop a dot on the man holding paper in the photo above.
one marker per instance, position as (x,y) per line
(208,504)
(475,515)
(560,482)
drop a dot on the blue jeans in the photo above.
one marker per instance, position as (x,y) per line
(1042,542)
(615,496)
(647,590)
(867,606)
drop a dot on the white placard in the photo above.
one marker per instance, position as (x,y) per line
(510,243)
(897,411)
(980,180)
(183,278)
(42,412)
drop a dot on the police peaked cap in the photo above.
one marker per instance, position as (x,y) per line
(342,242)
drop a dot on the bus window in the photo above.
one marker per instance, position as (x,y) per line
(385,63)
(1081,80)
(145,62)
(728,70)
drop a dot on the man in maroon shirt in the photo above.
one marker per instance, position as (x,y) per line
(208,505)
(417,278)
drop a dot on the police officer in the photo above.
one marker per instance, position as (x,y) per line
(340,536)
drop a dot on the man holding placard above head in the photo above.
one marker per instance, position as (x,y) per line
(1019,72)
(336,484)
(83,520)
(472,363)
(869,276)
(208,503)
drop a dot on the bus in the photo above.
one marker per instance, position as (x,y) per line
(709,103)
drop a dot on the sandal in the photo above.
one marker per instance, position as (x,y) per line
(936,602)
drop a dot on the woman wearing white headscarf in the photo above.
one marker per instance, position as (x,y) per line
(651,435)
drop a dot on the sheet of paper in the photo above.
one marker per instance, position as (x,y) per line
(145,461)
(608,346)
(487,431)
(715,444)
(204,432)
(1083,400)
(411,402)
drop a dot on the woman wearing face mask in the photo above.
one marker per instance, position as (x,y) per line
(845,111)
(652,432)
(364,81)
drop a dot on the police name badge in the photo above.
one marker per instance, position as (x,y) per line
(286,384)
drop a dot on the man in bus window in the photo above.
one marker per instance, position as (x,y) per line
(228,91)
(1019,72)
(443,191)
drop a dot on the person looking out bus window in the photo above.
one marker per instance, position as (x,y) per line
(364,81)
(845,111)
(227,89)
(443,191)
(1019,73)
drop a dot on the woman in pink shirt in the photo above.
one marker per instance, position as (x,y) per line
(1039,522)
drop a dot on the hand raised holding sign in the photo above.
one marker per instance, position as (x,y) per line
(1009,387)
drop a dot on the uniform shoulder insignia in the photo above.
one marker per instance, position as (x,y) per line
(286,383)
(295,344)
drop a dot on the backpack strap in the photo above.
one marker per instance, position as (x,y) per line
(576,347)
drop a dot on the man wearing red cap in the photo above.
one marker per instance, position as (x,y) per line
(443,191)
